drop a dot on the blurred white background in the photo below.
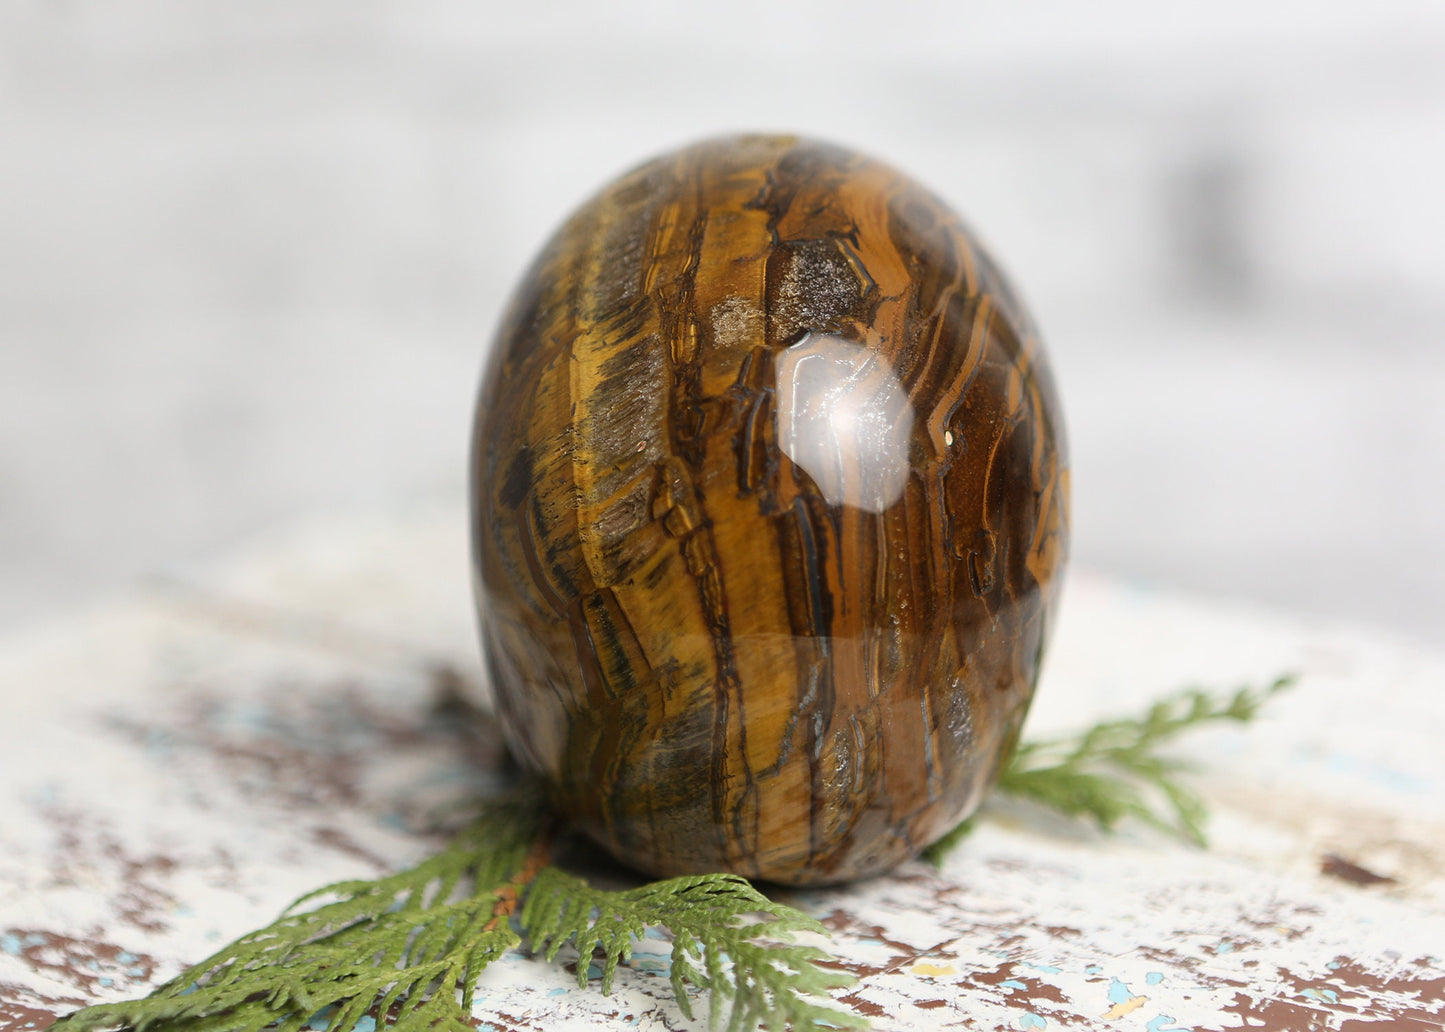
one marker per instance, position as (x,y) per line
(251,254)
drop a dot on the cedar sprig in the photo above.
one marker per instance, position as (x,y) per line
(755,975)
(408,948)
(404,945)
(1113,771)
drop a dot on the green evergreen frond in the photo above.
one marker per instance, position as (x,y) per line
(940,849)
(401,946)
(407,948)
(1113,772)
(727,938)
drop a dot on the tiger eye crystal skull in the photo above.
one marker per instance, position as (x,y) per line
(769,504)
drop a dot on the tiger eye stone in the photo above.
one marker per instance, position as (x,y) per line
(770,505)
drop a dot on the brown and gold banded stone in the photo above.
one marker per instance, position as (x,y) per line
(770,504)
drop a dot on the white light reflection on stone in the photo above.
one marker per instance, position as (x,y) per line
(845,419)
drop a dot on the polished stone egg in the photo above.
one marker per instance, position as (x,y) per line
(770,506)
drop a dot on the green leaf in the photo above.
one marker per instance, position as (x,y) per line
(403,946)
(1113,772)
(755,974)
(407,948)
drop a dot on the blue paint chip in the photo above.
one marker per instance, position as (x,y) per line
(1093,969)
(1119,992)
(1154,978)
(1157,1024)
(1013,983)
(1384,776)
(1032,1020)
(107,982)
(1224,947)
(557,992)
(10,943)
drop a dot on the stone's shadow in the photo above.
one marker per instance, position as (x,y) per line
(416,757)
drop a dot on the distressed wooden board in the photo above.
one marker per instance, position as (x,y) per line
(179,766)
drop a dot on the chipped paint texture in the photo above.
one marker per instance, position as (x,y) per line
(176,769)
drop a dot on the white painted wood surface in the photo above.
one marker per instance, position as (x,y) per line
(176,768)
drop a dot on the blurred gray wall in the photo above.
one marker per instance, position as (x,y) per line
(251,253)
